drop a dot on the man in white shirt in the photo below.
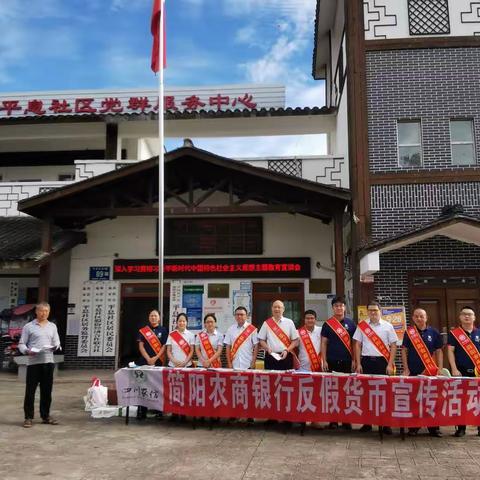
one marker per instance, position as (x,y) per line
(278,336)
(375,348)
(241,342)
(309,343)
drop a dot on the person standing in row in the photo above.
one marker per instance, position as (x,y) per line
(180,344)
(209,344)
(422,354)
(463,351)
(375,349)
(336,350)
(151,345)
(278,336)
(309,344)
(39,340)
(241,342)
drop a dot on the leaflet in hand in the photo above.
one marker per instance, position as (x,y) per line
(45,348)
(276,356)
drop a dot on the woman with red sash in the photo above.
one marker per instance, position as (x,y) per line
(422,354)
(180,347)
(151,345)
(463,350)
(180,344)
(209,344)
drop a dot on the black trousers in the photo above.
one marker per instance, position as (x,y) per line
(343,366)
(374,365)
(38,374)
(466,372)
(272,364)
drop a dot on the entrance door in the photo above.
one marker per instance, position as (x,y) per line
(291,294)
(138,300)
(443,305)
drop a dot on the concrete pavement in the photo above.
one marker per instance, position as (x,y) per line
(83,448)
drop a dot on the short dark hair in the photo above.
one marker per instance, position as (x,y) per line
(374,303)
(241,308)
(209,315)
(338,299)
(310,312)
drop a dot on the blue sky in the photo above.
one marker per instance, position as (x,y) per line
(102,44)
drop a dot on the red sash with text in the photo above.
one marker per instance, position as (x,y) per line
(341,332)
(149,335)
(209,350)
(374,339)
(181,342)
(279,333)
(431,367)
(469,347)
(241,339)
(315,362)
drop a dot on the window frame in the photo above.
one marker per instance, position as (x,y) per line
(472,142)
(416,121)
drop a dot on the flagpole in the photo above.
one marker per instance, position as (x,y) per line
(161,160)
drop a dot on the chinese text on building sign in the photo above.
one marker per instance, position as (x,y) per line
(302,397)
(110,103)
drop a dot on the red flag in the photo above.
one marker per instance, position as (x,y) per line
(155,28)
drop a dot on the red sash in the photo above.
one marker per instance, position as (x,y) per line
(208,347)
(469,347)
(279,333)
(374,339)
(341,332)
(149,335)
(181,342)
(315,362)
(240,339)
(422,351)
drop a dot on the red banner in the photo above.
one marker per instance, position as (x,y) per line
(299,397)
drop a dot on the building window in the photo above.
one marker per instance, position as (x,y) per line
(462,142)
(409,143)
(428,17)
(214,236)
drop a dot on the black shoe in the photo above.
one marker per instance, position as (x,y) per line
(347,426)
(412,432)
(435,433)
(249,420)
(478,432)
(386,430)
(332,426)
(459,433)
(365,428)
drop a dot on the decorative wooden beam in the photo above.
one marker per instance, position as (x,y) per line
(339,257)
(45,269)
(111,141)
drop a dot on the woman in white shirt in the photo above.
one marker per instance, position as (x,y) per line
(209,344)
(180,344)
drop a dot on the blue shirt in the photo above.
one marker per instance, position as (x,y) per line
(162,335)
(433,341)
(461,358)
(336,349)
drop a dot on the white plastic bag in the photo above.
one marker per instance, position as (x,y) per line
(97,396)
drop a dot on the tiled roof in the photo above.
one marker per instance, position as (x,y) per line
(20,240)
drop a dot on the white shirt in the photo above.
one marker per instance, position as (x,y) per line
(303,357)
(272,340)
(216,339)
(177,352)
(384,330)
(244,356)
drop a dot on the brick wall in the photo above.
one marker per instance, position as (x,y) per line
(432,85)
(437,253)
(397,208)
(90,363)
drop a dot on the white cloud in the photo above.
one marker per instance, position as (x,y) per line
(124,4)
(254,147)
